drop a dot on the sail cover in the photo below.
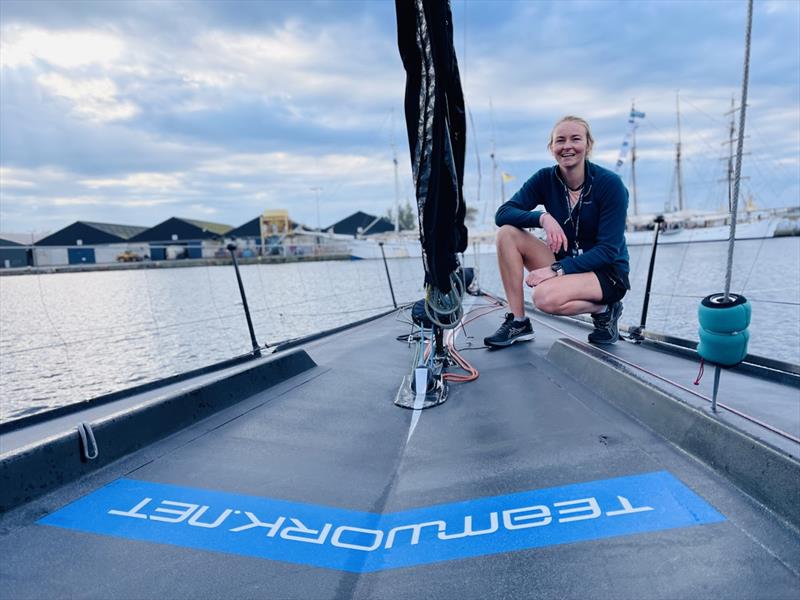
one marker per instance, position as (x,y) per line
(436,125)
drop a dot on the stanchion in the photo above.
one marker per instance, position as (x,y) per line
(256,349)
(636,333)
(388,277)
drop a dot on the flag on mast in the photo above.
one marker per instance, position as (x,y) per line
(626,142)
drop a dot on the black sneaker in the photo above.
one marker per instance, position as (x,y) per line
(605,325)
(510,331)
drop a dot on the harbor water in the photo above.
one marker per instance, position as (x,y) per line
(68,337)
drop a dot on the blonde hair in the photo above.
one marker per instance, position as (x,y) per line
(574,119)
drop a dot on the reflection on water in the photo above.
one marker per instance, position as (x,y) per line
(67,337)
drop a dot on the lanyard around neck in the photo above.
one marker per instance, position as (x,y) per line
(576,222)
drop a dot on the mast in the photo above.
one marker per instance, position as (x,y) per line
(494,162)
(732,131)
(633,163)
(396,184)
(477,159)
(678,153)
(316,189)
(732,141)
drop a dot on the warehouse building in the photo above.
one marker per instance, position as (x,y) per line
(14,255)
(178,238)
(85,242)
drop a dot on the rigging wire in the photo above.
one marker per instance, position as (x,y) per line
(776,170)
(264,295)
(55,330)
(147,331)
(752,266)
(150,299)
(344,175)
(702,112)
(672,295)
(767,179)
(639,256)
(216,309)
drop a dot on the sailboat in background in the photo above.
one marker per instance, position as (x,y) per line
(682,225)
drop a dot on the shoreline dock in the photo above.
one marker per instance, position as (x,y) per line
(169,264)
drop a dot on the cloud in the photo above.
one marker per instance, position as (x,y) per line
(138,181)
(203,209)
(93,98)
(325,167)
(21,46)
(138,111)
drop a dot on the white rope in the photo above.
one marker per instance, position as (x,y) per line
(739,147)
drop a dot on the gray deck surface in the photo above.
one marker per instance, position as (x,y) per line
(769,402)
(333,437)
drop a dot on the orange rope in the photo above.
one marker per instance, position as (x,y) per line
(472,372)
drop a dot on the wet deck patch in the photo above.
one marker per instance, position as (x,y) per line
(361,542)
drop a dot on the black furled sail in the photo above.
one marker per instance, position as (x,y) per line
(436,125)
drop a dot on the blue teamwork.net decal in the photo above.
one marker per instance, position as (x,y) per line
(361,542)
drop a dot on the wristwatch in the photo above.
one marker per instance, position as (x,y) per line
(557,268)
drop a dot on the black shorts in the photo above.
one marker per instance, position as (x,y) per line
(613,284)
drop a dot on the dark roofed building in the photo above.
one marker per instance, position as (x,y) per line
(87,233)
(181,232)
(251,229)
(13,254)
(176,229)
(78,243)
(361,223)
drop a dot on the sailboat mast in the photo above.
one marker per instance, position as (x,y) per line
(678,153)
(494,161)
(732,132)
(396,184)
(633,164)
(477,160)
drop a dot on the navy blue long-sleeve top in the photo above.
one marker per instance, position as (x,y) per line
(601,226)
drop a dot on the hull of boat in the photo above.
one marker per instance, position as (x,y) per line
(371,249)
(750,230)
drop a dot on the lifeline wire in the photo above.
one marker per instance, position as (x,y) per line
(55,329)
(160,331)
(228,340)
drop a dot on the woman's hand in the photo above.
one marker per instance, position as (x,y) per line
(556,238)
(537,276)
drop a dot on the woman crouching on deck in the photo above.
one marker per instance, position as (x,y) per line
(582,267)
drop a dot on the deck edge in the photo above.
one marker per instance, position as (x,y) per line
(36,469)
(765,473)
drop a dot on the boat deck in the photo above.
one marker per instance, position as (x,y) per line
(320,487)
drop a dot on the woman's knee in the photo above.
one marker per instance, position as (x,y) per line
(545,300)
(506,236)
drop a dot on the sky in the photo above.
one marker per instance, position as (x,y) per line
(135,112)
